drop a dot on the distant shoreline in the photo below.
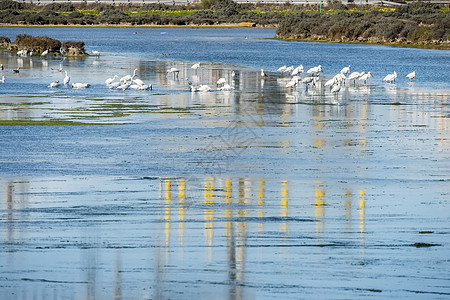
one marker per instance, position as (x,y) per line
(219,26)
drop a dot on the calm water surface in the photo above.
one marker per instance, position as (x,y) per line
(258,192)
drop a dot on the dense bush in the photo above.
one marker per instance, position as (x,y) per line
(399,25)
(39,43)
(335,21)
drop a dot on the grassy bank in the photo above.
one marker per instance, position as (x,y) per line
(415,24)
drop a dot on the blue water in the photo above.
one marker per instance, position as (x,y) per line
(260,192)
(252,48)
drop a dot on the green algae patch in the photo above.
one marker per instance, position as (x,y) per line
(48,123)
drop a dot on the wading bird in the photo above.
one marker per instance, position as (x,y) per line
(79,85)
(390,77)
(411,75)
(66,79)
(345,70)
(54,84)
(110,80)
(365,77)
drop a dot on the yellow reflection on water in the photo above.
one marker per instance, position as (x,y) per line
(261,191)
(209,214)
(319,207)
(167,210)
(181,212)
(362,213)
(348,210)
(284,205)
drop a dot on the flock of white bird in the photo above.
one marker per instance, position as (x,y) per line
(131,82)
(127,82)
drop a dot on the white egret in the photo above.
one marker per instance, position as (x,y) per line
(114,85)
(195,66)
(129,77)
(3,79)
(145,87)
(44,53)
(110,80)
(138,81)
(365,77)
(330,82)
(58,70)
(79,85)
(297,70)
(226,87)
(221,81)
(96,53)
(54,84)
(175,71)
(336,88)
(282,69)
(66,79)
(315,70)
(390,77)
(345,70)
(289,69)
(411,75)
(124,86)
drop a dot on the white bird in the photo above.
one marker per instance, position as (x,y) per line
(54,84)
(282,69)
(336,88)
(145,87)
(289,69)
(96,53)
(330,82)
(138,81)
(365,77)
(390,77)
(195,66)
(129,77)
(66,79)
(345,70)
(114,85)
(175,71)
(315,70)
(202,88)
(124,86)
(263,74)
(44,53)
(340,77)
(355,75)
(58,70)
(411,75)
(79,85)
(221,81)
(297,70)
(110,80)
(226,87)
(3,79)
(134,86)
(293,82)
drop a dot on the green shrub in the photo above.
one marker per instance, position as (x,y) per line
(39,43)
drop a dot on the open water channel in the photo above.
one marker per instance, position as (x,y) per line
(259,192)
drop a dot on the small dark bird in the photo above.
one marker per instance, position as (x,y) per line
(16,70)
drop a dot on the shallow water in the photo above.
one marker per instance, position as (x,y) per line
(258,192)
